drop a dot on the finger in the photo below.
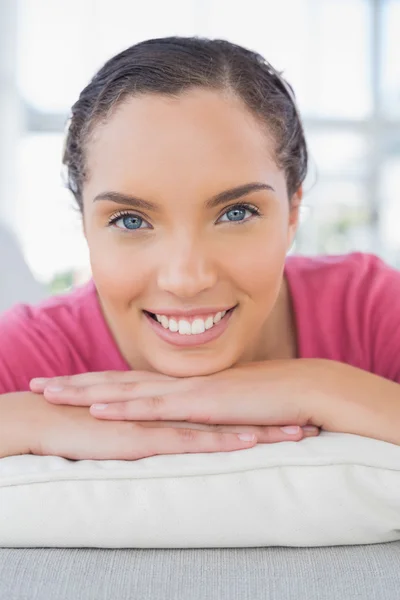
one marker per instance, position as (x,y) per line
(127,411)
(311,431)
(181,441)
(178,405)
(272,434)
(82,379)
(265,435)
(153,408)
(269,434)
(111,393)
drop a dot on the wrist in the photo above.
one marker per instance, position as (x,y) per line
(359,402)
(322,402)
(16,430)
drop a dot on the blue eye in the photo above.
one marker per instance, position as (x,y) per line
(237,213)
(129,221)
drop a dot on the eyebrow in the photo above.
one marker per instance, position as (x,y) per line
(215,201)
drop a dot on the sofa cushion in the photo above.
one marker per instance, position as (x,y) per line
(334,489)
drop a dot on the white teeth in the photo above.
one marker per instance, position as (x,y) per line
(173,325)
(164,322)
(209,322)
(186,328)
(198,326)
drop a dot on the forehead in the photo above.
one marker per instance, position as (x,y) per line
(196,135)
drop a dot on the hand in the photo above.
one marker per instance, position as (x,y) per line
(247,395)
(71,432)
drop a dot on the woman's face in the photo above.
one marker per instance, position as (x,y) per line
(186,215)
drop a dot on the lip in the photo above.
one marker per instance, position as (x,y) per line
(176,339)
(193,312)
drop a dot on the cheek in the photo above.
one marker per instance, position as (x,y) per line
(257,262)
(119,270)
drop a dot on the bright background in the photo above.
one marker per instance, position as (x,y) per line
(341,56)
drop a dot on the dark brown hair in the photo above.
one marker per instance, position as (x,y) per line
(173,65)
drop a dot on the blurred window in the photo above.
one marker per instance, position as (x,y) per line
(323,47)
(341,56)
(63,43)
(48,222)
(390,66)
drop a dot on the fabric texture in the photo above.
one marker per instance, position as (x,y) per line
(347,308)
(334,489)
(350,573)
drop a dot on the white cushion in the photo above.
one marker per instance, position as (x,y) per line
(329,490)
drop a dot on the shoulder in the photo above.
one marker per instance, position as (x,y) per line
(51,338)
(55,314)
(357,274)
(335,265)
(353,301)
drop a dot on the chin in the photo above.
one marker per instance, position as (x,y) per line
(194,367)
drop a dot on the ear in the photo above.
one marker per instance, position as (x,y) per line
(294,212)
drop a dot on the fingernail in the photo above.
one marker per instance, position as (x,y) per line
(99,406)
(39,380)
(247,437)
(291,430)
(53,389)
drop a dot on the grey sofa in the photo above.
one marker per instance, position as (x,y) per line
(370,572)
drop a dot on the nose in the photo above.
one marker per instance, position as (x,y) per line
(187,268)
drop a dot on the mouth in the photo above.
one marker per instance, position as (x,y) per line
(189,332)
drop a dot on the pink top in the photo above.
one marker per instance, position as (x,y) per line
(347,308)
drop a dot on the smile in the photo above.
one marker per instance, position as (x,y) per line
(189,331)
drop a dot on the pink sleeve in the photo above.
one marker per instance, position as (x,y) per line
(381,299)
(30,346)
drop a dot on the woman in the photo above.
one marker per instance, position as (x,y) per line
(187,157)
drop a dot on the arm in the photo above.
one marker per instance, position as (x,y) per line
(328,394)
(15,429)
(350,400)
(366,402)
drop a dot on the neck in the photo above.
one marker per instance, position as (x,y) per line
(278,336)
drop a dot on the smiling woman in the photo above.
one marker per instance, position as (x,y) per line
(193,152)
(186,157)
(196,242)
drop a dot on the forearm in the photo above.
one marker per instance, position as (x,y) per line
(349,400)
(15,429)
